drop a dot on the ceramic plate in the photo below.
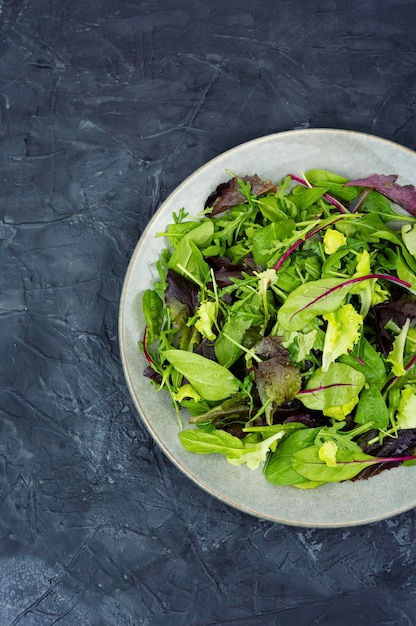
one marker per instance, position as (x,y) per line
(272,157)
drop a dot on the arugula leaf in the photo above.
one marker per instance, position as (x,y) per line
(228,345)
(188,261)
(265,239)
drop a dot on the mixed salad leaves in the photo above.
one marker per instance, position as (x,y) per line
(284,321)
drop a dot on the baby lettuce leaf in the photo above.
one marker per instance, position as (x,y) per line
(250,450)
(334,392)
(396,356)
(211,380)
(406,410)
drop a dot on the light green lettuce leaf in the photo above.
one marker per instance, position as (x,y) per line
(406,411)
(395,357)
(251,450)
(343,332)
(409,238)
(207,314)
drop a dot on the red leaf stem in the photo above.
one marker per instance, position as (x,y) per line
(299,242)
(327,197)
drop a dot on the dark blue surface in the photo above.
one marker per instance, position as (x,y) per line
(105,107)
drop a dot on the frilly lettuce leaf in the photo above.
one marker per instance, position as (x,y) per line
(328,453)
(369,291)
(343,332)
(207,315)
(406,411)
(333,240)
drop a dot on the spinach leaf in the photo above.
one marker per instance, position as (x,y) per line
(365,359)
(211,380)
(153,312)
(266,238)
(372,408)
(279,470)
(316,176)
(188,261)
(350,462)
(321,296)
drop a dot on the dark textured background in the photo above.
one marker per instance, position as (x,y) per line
(105,107)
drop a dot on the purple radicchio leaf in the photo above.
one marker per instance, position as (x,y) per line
(403,195)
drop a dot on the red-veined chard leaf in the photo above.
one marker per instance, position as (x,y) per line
(334,392)
(321,297)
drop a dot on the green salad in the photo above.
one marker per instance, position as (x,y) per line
(283,325)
